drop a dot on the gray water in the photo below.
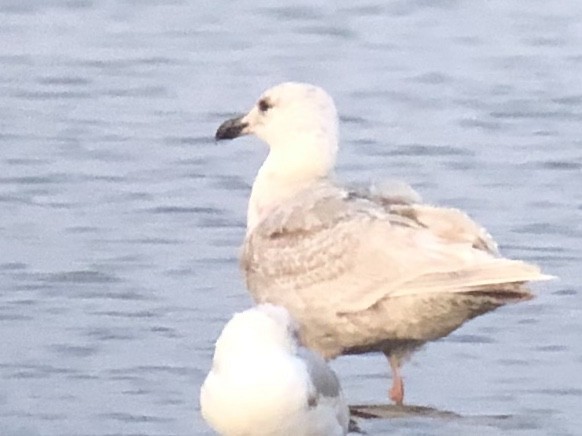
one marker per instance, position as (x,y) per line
(120,218)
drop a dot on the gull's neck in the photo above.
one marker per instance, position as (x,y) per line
(285,172)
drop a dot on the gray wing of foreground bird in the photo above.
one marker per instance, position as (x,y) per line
(325,382)
(364,270)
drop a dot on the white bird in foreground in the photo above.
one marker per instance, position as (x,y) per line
(361,271)
(263,383)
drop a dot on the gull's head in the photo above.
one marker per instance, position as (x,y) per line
(298,121)
(262,329)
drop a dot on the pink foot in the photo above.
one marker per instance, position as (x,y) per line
(397,391)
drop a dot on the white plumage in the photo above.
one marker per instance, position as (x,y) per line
(263,383)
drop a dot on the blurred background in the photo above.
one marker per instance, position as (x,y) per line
(121,219)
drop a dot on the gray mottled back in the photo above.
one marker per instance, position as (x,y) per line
(329,252)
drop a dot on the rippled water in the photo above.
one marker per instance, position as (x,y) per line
(120,218)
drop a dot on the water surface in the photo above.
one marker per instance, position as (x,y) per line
(120,218)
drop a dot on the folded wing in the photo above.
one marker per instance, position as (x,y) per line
(327,247)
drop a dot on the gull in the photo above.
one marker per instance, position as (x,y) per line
(362,271)
(264,383)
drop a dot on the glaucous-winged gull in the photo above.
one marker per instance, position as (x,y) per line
(361,271)
(264,383)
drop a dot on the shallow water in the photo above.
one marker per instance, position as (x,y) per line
(120,218)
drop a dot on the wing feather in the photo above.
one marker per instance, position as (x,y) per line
(350,253)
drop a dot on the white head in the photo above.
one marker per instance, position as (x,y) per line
(299,122)
(262,329)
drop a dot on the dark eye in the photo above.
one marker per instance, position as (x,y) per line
(264,105)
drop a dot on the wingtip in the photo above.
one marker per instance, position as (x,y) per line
(543,277)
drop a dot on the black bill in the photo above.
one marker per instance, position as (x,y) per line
(231,129)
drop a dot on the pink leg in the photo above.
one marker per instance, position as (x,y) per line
(397,389)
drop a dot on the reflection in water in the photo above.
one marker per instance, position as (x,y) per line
(361,413)
(390,411)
